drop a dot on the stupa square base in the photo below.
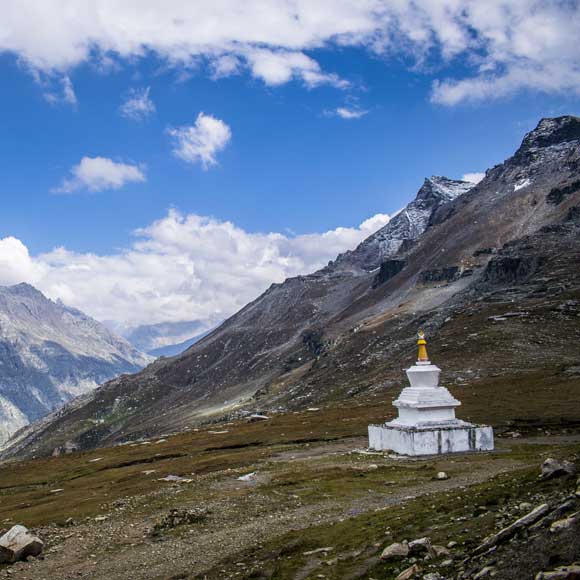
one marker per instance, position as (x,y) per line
(430,440)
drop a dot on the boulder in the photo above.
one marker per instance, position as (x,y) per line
(408,573)
(487,572)
(17,544)
(395,551)
(421,547)
(562,573)
(555,468)
(564,524)
(441,551)
(442,476)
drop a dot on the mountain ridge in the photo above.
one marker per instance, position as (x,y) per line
(345,331)
(50,353)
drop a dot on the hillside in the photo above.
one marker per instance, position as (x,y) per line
(49,354)
(490,271)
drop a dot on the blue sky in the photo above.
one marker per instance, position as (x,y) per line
(426,102)
(289,166)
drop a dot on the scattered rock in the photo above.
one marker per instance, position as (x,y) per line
(175,479)
(452,544)
(17,544)
(564,524)
(487,572)
(421,547)
(510,531)
(257,417)
(318,551)
(408,573)
(179,517)
(563,573)
(248,477)
(441,551)
(395,551)
(554,468)
(432,576)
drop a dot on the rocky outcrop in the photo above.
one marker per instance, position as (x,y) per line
(558,194)
(388,269)
(555,468)
(511,269)
(440,275)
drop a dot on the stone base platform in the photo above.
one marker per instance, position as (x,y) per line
(431,440)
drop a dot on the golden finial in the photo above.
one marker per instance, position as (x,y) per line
(422,344)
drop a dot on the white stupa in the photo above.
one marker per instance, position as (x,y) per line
(426,424)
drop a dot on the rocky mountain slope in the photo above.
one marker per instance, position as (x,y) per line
(50,353)
(490,271)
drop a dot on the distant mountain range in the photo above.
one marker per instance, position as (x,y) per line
(175,349)
(50,353)
(166,338)
(489,271)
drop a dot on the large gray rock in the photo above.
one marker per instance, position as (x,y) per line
(395,551)
(421,547)
(17,544)
(555,468)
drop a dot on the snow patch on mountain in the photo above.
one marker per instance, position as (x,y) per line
(521,184)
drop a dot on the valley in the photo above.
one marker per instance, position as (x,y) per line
(315,501)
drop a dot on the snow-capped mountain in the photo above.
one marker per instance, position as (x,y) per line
(50,353)
(405,226)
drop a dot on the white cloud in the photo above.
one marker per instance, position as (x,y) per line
(504,45)
(16,265)
(181,267)
(473,177)
(349,113)
(138,105)
(199,143)
(100,173)
(56,89)
(279,67)
(225,66)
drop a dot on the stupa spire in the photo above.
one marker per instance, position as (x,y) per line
(422,356)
